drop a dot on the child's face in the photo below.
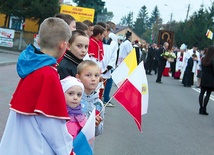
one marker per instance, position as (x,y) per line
(90,30)
(101,36)
(73,25)
(90,77)
(79,47)
(73,96)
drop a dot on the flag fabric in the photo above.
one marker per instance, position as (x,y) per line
(145,88)
(83,143)
(125,68)
(209,34)
(133,94)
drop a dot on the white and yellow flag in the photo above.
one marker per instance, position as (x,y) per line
(209,34)
(125,68)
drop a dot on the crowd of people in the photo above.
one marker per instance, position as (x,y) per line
(69,75)
(188,65)
(62,80)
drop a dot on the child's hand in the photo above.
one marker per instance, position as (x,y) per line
(98,120)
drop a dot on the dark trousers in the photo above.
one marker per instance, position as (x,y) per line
(149,66)
(172,67)
(106,95)
(161,67)
(155,66)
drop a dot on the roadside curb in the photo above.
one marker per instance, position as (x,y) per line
(9,52)
(7,63)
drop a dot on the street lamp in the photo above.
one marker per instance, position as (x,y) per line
(170,21)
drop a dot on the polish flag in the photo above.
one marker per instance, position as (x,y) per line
(133,94)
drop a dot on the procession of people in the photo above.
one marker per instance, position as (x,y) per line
(73,67)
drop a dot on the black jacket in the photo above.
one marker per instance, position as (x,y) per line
(68,65)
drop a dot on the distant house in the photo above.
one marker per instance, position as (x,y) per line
(18,24)
(121,31)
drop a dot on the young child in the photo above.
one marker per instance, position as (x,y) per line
(36,123)
(95,49)
(70,20)
(187,80)
(90,27)
(89,74)
(76,51)
(73,90)
(109,61)
(82,26)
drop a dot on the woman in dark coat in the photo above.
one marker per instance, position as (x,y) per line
(207,80)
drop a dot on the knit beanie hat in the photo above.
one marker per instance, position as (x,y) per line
(69,82)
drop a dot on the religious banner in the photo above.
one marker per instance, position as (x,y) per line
(165,36)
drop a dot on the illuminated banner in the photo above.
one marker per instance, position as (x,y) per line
(79,13)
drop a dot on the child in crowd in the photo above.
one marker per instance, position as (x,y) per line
(187,80)
(70,20)
(73,90)
(125,47)
(95,49)
(76,51)
(89,74)
(82,26)
(90,27)
(36,123)
(109,61)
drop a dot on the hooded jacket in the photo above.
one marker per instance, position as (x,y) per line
(89,102)
(39,90)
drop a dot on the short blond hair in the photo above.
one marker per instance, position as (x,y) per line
(53,31)
(84,64)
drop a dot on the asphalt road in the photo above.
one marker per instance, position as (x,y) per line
(171,127)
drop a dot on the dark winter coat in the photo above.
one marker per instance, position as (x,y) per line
(207,79)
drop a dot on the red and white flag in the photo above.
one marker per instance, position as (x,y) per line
(133,94)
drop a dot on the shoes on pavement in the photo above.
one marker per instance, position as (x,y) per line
(109,104)
(159,82)
(203,111)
